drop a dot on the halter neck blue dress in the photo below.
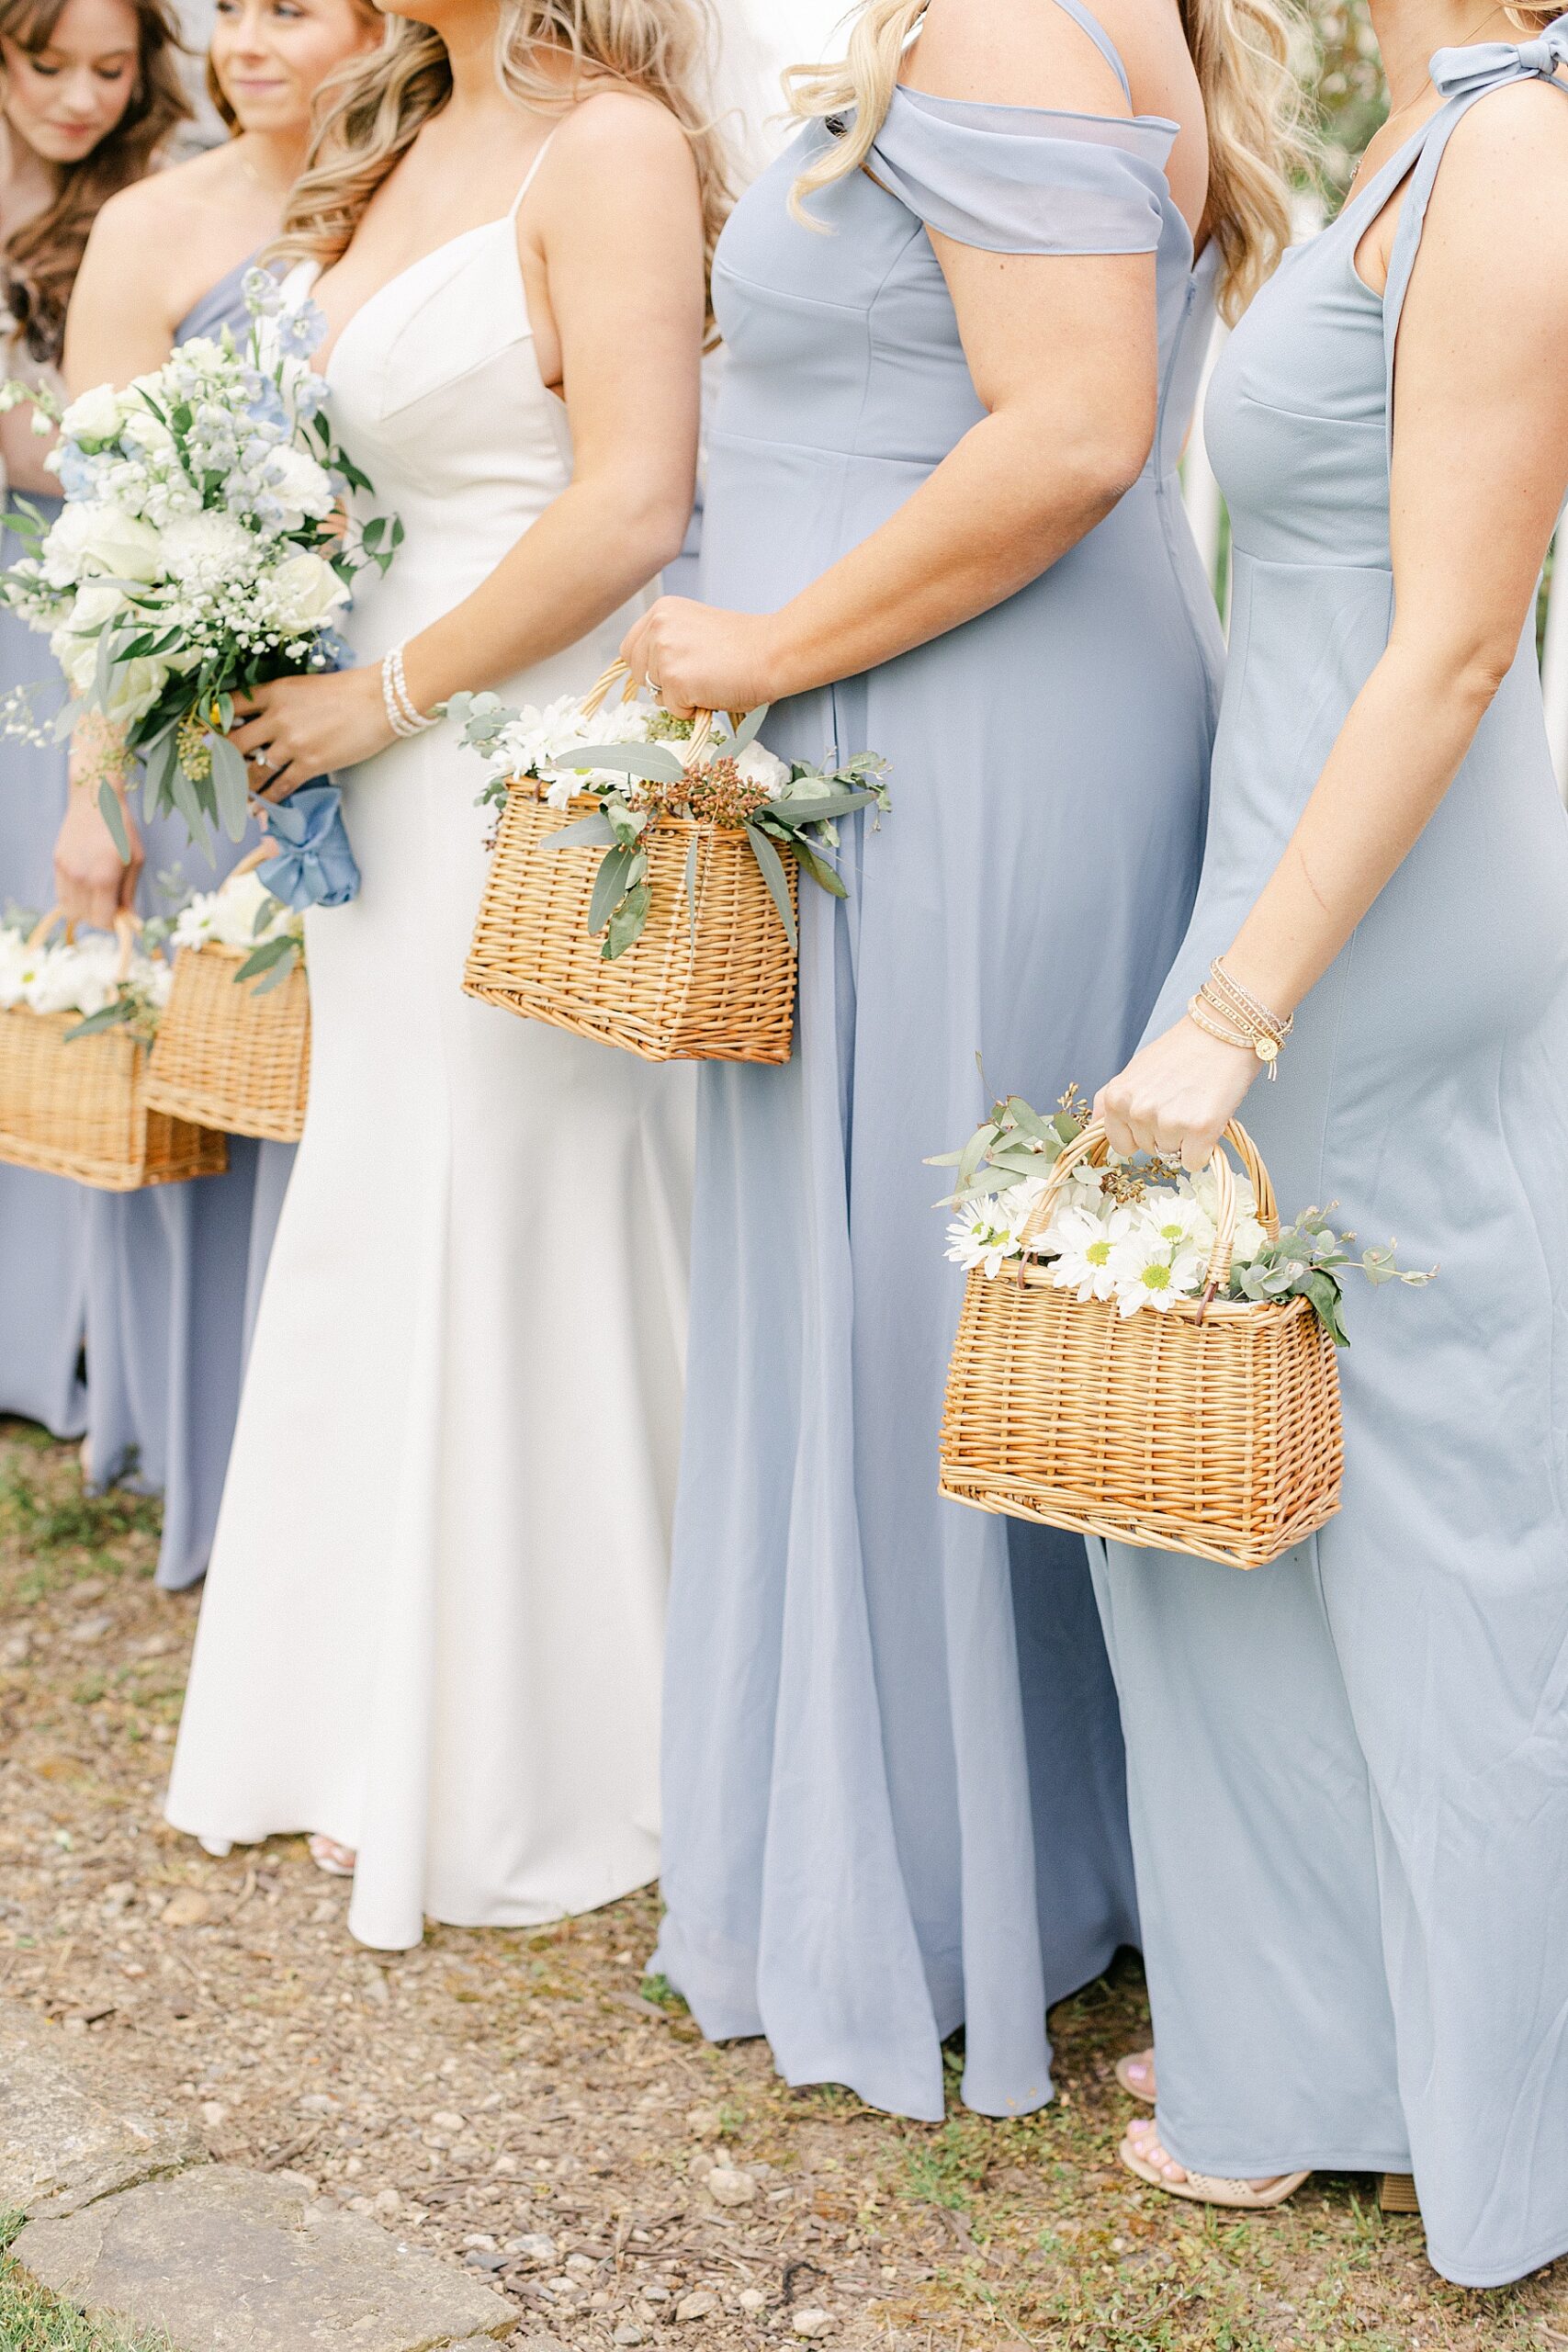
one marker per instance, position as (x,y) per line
(174,1274)
(1348,1771)
(893,1790)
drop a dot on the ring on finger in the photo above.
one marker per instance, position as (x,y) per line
(260,760)
(656,690)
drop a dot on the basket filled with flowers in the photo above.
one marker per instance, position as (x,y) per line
(77,1021)
(643,883)
(234,1045)
(1143,1354)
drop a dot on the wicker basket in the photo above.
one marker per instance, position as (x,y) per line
(81,1110)
(233,1056)
(712,977)
(1212,1428)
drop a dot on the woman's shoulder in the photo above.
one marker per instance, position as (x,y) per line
(612,120)
(178,201)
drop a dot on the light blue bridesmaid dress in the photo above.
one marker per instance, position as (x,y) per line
(894,1791)
(42,1249)
(1348,1772)
(174,1274)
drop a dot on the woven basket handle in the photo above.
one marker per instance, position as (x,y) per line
(252,859)
(126,926)
(1093,1147)
(617,674)
(46,923)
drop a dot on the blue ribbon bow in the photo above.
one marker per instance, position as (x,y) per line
(1460,72)
(315,866)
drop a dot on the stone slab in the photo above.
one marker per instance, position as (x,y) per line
(62,2145)
(226,2260)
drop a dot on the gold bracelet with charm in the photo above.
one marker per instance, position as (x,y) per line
(1212,1014)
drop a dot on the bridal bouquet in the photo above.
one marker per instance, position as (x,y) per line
(1138,1234)
(94,978)
(637,764)
(203,551)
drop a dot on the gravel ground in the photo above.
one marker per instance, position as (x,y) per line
(528,2103)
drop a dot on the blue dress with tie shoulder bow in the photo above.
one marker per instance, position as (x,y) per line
(174,1274)
(1348,1771)
(894,1789)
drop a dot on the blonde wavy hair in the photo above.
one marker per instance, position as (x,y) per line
(1252,96)
(373,110)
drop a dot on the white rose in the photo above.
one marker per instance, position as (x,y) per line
(308,591)
(299,485)
(94,538)
(760,766)
(77,657)
(141,430)
(134,687)
(97,606)
(94,417)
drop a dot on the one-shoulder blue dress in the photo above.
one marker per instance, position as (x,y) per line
(894,1794)
(1348,1771)
(174,1274)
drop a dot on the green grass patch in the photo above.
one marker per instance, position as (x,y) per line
(33,2320)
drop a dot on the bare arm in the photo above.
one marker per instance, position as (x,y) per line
(1479,469)
(1063,351)
(620,232)
(119,324)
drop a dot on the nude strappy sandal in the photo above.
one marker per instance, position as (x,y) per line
(1207,2188)
(330,1857)
(1135,2058)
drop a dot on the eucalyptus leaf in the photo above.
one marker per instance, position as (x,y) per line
(263,958)
(588,833)
(772,864)
(114,818)
(748,731)
(818,867)
(233,792)
(626,922)
(278,974)
(111,1016)
(159,763)
(609,888)
(654,762)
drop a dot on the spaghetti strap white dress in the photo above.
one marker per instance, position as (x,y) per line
(433,1619)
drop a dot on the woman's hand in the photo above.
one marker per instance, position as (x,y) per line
(298,729)
(1177,1096)
(701,659)
(92,881)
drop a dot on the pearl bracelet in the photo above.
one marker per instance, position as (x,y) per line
(403,717)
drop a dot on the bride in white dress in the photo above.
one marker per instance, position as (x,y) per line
(432,1623)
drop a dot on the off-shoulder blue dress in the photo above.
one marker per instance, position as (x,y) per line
(894,1794)
(174,1274)
(1349,1772)
(43,1258)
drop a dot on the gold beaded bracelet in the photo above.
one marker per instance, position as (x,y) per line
(1226,1010)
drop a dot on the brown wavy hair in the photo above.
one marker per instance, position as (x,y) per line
(38,262)
(375,113)
(1254,102)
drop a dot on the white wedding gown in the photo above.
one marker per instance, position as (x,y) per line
(433,1619)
